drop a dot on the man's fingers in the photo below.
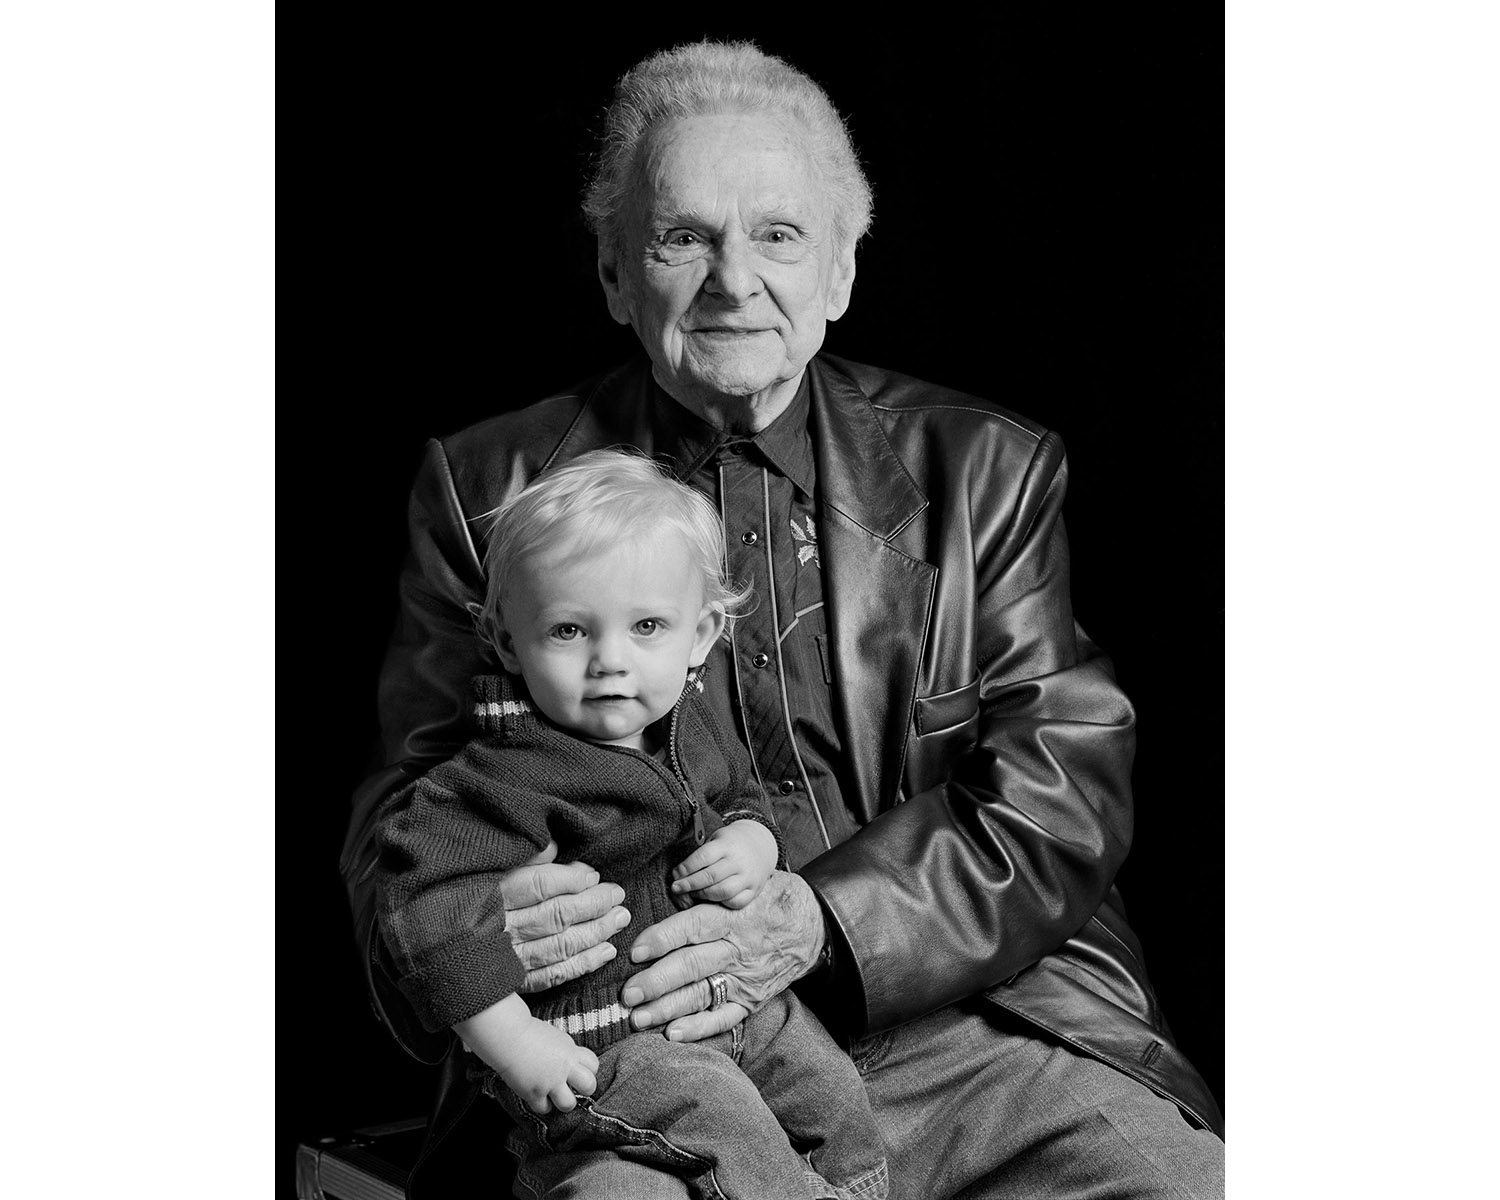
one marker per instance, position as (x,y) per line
(699,1025)
(549,975)
(545,855)
(528,885)
(702,923)
(675,986)
(572,939)
(563,913)
(680,968)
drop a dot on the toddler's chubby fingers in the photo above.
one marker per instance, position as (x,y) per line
(734,892)
(705,855)
(562,1098)
(727,883)
(539,1102)
(582,1080)
(701,879)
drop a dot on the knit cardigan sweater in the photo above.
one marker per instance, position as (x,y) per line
(522,782)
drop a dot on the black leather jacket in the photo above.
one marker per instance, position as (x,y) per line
(990,747)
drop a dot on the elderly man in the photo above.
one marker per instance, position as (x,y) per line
(947,753)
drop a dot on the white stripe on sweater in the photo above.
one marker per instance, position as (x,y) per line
(501,708)
(600,1018)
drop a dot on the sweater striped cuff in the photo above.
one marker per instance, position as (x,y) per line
(463,979)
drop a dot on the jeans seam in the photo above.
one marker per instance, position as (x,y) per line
(872,1183)
(640,1135)
(1150,1162)
(876,1053)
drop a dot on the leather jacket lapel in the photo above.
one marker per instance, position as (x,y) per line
(617,412)
(879,598)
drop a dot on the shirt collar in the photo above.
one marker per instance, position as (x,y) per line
(784,445)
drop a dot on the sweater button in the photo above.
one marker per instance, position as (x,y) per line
(749,537)
(760,660)
(786,787)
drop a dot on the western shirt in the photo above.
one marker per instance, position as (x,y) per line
(772,676)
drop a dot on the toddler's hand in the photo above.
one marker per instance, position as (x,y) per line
(545,1067)
(538,1061)
(731,867)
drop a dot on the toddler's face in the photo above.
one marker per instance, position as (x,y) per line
(605,643)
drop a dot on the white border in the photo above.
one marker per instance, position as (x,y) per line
(136,392)
(1362,280)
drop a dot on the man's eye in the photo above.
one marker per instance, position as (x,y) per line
(782,243)
(565,633)
(647,627)
(683,238)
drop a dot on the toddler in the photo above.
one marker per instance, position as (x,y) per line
(606,591)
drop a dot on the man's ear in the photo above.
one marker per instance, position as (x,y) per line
(613,284)
(841,285)
(710,626)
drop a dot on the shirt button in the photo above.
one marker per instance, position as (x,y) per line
(760,660)
(786,787)
(749,537)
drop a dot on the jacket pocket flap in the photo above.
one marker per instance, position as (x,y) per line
(934,714)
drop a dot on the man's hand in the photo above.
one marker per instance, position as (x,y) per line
(731,867)
(560,918)
(761,948)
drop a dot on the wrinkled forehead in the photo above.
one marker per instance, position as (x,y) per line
(695,165)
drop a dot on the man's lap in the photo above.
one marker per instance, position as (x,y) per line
(972,1109)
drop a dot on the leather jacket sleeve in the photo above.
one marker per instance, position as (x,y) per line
(424,706)
(1017,817)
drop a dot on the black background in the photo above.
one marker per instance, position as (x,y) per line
(1048,234)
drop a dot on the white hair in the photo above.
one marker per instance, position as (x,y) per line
(715,77)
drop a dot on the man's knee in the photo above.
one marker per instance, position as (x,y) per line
(1137,1147)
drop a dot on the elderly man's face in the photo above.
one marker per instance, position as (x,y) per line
(729,273)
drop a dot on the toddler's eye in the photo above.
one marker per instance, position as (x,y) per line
(647,627)
(565,633)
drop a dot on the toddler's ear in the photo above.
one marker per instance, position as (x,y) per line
(710,626)
(493,632)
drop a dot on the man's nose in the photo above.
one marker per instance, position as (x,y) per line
(734,274)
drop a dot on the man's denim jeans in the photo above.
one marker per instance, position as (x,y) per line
(974,1108)
(790,1120)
